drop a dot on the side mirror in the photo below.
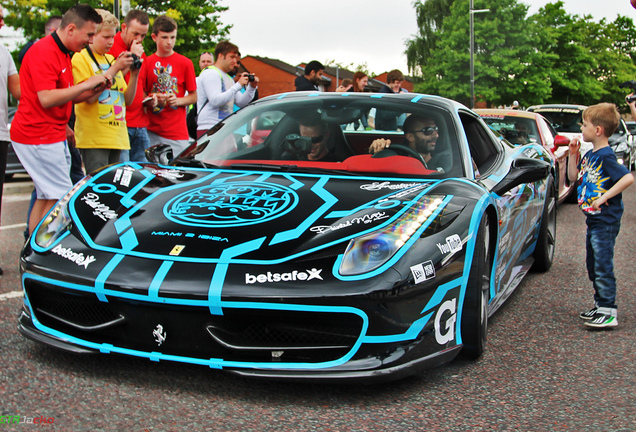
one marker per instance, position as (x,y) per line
(160,154)
(523,170)
(561,141)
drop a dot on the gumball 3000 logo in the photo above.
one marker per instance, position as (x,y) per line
(231,204)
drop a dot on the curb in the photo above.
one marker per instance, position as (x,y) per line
(19,184)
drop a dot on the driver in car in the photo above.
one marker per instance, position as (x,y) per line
(521,134)
(420,134)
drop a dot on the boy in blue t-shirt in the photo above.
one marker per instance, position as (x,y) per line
(601,181)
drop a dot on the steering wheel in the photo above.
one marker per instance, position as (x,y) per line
(399,148)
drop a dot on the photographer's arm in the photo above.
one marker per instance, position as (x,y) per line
(131,89)
(136,48)
(211,83)
(13,84)
(632,107)
(56,97)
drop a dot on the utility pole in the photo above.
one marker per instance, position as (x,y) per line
(472,13)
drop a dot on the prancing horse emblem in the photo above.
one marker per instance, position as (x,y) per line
(159,334)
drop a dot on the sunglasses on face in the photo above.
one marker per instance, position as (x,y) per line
(429,130)
(317,139)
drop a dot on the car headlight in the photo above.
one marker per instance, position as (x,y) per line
(370,251)
(58,221)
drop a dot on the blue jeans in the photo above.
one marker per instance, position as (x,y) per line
(599,247)
(139,142)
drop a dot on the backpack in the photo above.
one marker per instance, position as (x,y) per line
(192,118)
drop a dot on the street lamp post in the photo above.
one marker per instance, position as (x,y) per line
(472,12)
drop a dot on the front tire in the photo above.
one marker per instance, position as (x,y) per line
(475,315)
(546,242)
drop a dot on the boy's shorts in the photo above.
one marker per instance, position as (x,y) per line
(49,166)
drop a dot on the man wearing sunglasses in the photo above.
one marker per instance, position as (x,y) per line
(421,134)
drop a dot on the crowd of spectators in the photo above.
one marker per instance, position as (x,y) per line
(88,85)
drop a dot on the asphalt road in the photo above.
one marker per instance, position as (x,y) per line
(542,370)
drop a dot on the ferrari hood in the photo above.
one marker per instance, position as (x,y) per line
(152,211)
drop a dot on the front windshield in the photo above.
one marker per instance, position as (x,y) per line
(566,120)
(335,133)
(516,130)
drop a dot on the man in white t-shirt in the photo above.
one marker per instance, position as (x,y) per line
(217,93)
(9,80)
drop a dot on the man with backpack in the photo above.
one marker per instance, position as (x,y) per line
(217,92)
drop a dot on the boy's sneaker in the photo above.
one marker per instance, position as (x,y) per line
(588,315)
(604,318)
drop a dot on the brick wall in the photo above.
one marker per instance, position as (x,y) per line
(272,80)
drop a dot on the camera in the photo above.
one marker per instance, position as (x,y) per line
(632,86)
(136,64)
(250,77)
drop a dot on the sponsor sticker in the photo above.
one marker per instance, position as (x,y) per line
(296,275)
(171,174)
(126,176)
(100,210)
(530,152)
(446,334)
(78,258)
(123,175)
(453,244)
(423,272)
(376,186)
(223,204)
(176,250)
(364,219)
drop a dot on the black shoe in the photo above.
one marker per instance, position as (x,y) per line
(1,271)
(589,314)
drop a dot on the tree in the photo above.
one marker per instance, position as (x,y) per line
(549,57)
(573,44)
(504,55)
(199,23)
(430,18)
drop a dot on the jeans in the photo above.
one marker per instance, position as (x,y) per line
(77,173)
(139,142)
(599,247)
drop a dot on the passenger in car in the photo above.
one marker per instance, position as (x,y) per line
(322,148)
(421,134)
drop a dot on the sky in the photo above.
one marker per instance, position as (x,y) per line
(370,31)
(344,31)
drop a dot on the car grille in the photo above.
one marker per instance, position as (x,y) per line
(239,335)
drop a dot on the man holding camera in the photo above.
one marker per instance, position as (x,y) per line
(133,31)
(217,91)
(100,125)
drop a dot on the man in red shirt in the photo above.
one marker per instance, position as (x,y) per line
(133,31)
(38,130)
(168,76)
